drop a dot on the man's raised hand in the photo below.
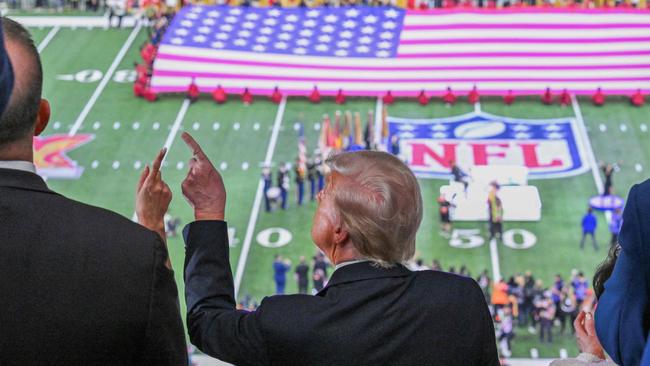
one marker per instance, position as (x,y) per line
(203,187)
(153,197)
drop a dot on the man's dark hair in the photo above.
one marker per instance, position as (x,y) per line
(17,121)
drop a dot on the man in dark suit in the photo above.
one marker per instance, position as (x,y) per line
(373,311)
(79,285)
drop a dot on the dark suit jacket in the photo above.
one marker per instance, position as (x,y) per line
(365,316)
(80,285)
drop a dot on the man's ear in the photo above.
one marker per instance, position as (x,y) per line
(43,117)
(340,235)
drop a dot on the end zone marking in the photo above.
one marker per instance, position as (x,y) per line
(47,39)
(243,257)
(107,77)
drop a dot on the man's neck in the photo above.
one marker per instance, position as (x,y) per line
(18,151)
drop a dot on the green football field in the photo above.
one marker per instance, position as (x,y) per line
(87,82)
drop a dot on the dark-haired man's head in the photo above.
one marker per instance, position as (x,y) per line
(26,114)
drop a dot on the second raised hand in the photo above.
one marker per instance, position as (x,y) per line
(203,186)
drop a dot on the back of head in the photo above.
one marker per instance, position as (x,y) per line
(17,121)
(380,204)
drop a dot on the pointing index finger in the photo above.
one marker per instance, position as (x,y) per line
(192,144)
(158,162)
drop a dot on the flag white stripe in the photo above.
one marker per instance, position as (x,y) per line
(527,18)
(201,67)
(211,83)
(405,62)
(523,47)
(560,34)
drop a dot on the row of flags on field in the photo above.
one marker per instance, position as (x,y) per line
(345,132)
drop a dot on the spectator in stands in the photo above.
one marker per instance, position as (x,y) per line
(366,224)
(506,331)
(320,262)
(302,275)
(622,314)
(529,293)
(500,294)
(546,316)
(116,9)
(80,285)
(484,282)
(615,226)
(435,265)
(319,279)
(589,223)
(567,310)
(580,287)
(280,269)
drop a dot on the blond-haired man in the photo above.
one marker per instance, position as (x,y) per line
(373,311)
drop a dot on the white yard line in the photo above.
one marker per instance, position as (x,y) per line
(379,109)
(591,158)
(477,107)
(47,39)
(172,135)
(102,84)
(250,230)
(494,257)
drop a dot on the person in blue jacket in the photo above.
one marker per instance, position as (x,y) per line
(589,223)
(623,312)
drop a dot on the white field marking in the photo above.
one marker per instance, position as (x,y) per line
(94,164)
(602,127)
(215,126)
(494,257)
(156,126)
(379,107)
(47,39)
(236,126)
(102,84)
(196,126)
(317,126)
(170,138)
(643,127)
(477,107)
(638,167)
(136,125)
(252,221)
(623,127)
(591,158)
(223,165)
(296,126)
(57,125)
(244,165)
(116,125)
(137,165)
(176,126)
(96,125)
(116,164)
(180,165)
(256,126)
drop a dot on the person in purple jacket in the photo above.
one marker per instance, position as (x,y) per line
(589,223)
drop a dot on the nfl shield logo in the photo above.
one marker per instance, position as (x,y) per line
(549,148)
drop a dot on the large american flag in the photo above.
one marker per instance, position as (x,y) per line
(370,50)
